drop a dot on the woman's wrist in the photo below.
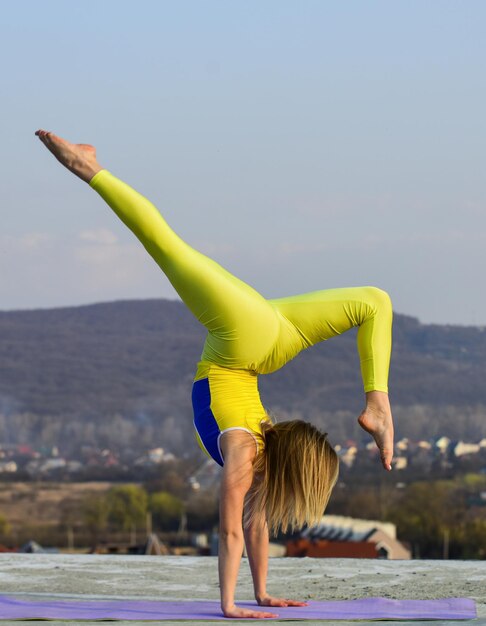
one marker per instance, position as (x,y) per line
(260,596)
(226,607)
(227,600)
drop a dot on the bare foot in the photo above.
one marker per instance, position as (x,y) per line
(79,158)
(376,419)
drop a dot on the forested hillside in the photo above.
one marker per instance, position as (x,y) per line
(120,373)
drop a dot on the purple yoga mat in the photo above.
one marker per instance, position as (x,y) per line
(367,608)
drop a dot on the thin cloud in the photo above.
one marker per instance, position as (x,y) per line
(102,237)
(29,242)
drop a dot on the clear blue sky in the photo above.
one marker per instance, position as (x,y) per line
(304,145)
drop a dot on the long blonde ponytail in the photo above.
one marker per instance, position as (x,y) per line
(294,476)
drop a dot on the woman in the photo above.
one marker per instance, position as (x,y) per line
(274,475)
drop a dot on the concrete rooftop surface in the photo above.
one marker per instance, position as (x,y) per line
(96,577)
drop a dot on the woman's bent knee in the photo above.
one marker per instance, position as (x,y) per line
(379,299)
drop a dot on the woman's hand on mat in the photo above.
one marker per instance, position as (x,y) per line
(237,612)
(270,601)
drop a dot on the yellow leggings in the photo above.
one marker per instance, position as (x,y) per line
(246,331)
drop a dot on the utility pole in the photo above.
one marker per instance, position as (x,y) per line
(445,550)
(70,538)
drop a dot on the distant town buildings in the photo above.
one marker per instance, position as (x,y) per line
(49,463)
(442,452)
(45,463)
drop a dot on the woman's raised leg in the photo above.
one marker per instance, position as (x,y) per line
(242,325)
(320,315)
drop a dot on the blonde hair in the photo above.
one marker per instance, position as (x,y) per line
(293,477)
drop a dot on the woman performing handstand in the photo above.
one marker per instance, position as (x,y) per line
(274,475)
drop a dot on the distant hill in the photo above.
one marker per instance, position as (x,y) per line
(131,363)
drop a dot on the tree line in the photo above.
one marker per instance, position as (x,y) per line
(443,518)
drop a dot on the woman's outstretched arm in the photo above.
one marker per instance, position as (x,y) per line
(238,450)
(256,541)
